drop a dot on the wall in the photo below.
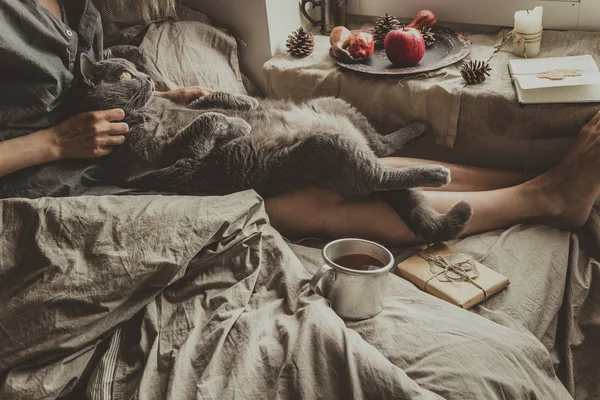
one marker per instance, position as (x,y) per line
(558,14)
(262,24)
(283,17)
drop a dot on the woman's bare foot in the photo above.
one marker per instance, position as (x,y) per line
(566,193)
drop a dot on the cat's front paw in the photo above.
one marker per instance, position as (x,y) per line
(238,127)
(434,175)
(185,164)
(247,102)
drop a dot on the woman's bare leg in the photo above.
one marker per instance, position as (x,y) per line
(465,178)
(562,197)
(316,212)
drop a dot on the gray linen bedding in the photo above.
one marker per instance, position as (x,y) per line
(198,297)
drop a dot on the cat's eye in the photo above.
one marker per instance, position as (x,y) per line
(126,75)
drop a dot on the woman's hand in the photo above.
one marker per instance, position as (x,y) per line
(185,95)
(88,135)
(85,135)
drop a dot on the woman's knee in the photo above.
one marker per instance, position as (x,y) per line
(302,212)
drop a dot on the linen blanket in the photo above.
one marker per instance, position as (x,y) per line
(175,297)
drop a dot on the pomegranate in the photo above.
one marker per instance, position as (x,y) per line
(362,45)
(404,47)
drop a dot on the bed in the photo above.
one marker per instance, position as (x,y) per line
(157,296)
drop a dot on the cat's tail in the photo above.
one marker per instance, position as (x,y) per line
(423,220)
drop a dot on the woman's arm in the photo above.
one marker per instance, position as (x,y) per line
(25,151)
(185,95)
(86,135)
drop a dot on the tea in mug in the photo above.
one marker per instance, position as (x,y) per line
(359,262)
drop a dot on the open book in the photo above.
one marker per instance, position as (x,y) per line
(531,89)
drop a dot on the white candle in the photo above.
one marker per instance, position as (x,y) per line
(528,23)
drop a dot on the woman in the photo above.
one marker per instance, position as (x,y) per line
(562,197)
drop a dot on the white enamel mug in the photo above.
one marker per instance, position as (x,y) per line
(354,294)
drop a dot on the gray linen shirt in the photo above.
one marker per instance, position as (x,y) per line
(38,56)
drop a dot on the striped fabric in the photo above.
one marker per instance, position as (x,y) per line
(100,384)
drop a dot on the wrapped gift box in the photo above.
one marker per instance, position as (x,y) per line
(450,275)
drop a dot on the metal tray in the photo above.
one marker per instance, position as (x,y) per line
(450,46)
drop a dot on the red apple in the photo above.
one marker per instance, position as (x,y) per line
(362,45)
(404,47)
(424,18)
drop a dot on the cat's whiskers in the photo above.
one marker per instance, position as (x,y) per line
(133,99)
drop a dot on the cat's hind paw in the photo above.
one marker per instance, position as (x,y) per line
(450,225)
(433,176)
(411,132)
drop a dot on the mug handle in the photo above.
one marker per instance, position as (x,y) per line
(315,3)
(314,282)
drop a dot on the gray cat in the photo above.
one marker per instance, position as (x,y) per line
(223,143)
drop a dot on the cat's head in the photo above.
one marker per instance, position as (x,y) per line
(114,83)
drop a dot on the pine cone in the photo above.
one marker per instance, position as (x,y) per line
(384,24)
(428,35)
(300,43)
(475,71)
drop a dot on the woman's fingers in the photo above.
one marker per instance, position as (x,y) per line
(594,122)
(192,93)
(113,115)
(102,151)
(117,128)
(109,129)
(185,95)
(596,119)
(114,140)
(112,135)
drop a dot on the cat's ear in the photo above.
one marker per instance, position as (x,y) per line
(85,67)
(107,54)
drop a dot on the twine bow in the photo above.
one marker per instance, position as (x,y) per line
(521,39)
(453,271)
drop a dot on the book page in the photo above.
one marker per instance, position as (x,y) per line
(525,66)
(525,71)
(533,82)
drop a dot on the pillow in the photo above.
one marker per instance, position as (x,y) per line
(191,54)
(187,53)
(187,14)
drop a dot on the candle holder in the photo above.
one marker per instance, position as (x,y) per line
(526,44)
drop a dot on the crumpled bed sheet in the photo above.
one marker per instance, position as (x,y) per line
(179,297)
